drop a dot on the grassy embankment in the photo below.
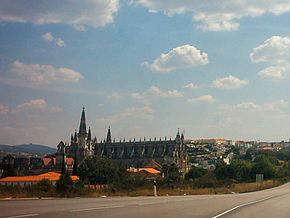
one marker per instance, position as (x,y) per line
(18,192)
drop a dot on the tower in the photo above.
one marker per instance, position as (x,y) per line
(81,141)
(82,134)
(109,137)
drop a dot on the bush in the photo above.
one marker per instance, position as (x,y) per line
(206,181)
(195,172)
(64,186)
(173,178)
(44,188)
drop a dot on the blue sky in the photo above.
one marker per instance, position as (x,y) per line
(145,68)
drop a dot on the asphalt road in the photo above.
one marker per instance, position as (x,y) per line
(268,203)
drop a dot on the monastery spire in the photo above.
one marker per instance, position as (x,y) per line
(83,128)
(89,135)
(109,137)
(177,138)
(75,136)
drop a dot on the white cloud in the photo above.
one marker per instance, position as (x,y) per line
(37,74)
(155,91)
(36,104)
(203,98)
(80,28)
(275,51)
(247,106)
(184,56)
(60,42)
(94,13)
(273,72)
(56,109)
(277,106)
(274,106)
(115,95)
(229,82)
(191,86)
(32,104)
(50,38)
(4,109)
(142,113)
(221,15)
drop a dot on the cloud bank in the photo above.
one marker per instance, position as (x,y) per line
(221,15)
(81,14)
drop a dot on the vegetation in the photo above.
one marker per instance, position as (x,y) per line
(95,170)
(64,186)
(238,176)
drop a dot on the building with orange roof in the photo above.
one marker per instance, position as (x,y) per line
(153,164)
(30,180)
(36,165)
(146,170)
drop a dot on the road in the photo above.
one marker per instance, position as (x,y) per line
(268,203)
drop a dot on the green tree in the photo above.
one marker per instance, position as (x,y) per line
(236,150)
(242,170)
(263,165)
(195,172)
(64,186)
(224,171)
(173,177)
(284,170)
(284,154)
(10,171)
(44,186)
(96,170)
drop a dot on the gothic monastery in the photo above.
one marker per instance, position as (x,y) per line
(132,153)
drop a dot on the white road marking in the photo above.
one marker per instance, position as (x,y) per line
(96,208)
(173,201)
(242,205)
(24,215)
(150,203)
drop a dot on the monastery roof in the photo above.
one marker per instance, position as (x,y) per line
(51,176)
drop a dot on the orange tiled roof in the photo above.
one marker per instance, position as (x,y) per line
(46,161)
(69,161)
(153,164)
(146,169)
(51,176)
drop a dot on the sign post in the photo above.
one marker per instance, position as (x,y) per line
(154,188)
(259,178)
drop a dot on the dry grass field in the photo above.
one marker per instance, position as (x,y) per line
(236,188)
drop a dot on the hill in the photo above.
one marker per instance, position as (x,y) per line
(27,148)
